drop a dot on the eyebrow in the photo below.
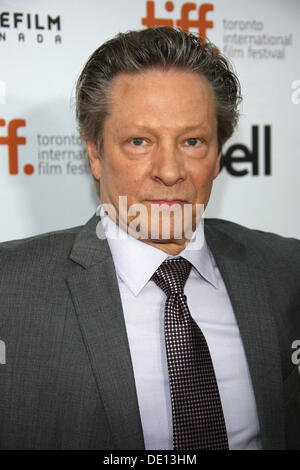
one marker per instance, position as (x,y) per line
(183,129)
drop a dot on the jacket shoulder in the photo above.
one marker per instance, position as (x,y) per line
(47,249)
(242,231)
(269,245)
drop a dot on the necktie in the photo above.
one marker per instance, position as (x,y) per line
(198,420)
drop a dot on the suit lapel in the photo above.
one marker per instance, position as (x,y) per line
(247,284)
(95,293)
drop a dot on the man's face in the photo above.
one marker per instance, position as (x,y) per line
(159,143)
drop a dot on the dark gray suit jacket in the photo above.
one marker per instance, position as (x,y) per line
(68,381)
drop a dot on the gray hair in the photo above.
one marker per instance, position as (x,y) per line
(161,46)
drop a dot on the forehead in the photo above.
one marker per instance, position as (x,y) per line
(160,96)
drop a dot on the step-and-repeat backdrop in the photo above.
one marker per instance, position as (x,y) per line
(45,181)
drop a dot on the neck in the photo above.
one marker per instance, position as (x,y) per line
(170,247)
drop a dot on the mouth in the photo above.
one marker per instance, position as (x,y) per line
(169,202)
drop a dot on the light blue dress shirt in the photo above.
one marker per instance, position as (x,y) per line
(208,301)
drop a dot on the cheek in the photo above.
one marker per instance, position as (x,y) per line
(126,177)
(130,175)
(202,175)
(115,170)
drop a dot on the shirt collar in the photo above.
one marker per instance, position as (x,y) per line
(136,261)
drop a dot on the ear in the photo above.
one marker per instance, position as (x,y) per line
(94,158)
(217,167)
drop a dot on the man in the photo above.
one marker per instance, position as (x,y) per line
(147,328)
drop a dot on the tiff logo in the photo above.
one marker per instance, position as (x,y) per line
(13,140)
(2,352)
(184,22)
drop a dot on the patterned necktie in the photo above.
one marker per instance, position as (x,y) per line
(198,420)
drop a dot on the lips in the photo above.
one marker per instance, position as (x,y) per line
(169,202)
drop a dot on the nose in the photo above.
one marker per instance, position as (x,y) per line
(167,164)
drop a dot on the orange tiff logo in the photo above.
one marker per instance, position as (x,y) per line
(12,140)
(184,22)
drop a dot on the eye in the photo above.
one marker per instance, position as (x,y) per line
(137,141)
(192,142)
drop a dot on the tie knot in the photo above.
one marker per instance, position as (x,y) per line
(172,274)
